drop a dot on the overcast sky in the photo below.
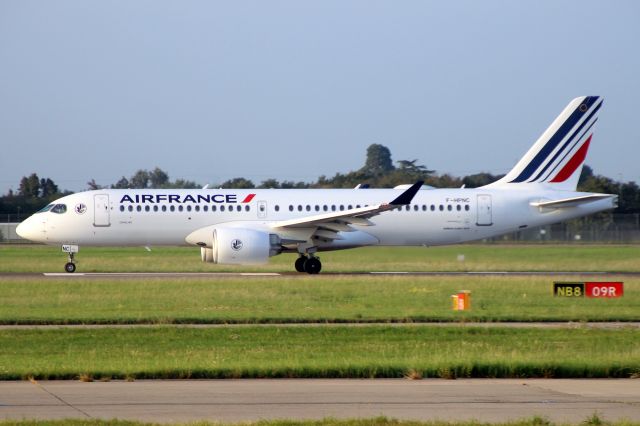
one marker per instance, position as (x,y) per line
(211,90)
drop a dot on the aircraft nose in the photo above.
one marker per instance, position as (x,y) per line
(29,230)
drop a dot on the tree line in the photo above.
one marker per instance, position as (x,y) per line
(378,171)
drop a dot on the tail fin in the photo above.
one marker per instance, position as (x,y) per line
(557,157)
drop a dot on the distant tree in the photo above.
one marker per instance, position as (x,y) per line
(269,183)
(586,174)
(158,177)
(479,179)
(444,181)
(47,188)
(140,179)
(378,160)
(291,184)
(92,185)
(238,183)
(29,186)
(183,184)
(123,183)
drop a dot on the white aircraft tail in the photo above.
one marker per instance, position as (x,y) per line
(557,157)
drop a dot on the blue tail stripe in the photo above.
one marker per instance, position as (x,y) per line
(567,143)
(575,116)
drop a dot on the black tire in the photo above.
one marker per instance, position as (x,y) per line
(70,267)
(312,265)
(300,263)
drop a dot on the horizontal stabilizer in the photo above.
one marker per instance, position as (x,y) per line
(571,202)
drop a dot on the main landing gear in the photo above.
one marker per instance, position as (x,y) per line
(309,264)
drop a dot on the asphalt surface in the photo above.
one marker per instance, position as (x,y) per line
(245,400)
(146,275)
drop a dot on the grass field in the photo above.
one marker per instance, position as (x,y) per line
(477,257)
(300,299)
(337,351)
(333,352)
(590,420)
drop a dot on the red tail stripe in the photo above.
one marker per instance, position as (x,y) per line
(573,164)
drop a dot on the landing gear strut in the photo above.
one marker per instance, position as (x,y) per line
(70,267)
(71,249)
(309,264)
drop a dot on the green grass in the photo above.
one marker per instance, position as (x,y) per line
(478,257)
(328,352)
(378,421)
(300,299)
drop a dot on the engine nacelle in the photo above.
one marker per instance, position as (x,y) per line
(240,246)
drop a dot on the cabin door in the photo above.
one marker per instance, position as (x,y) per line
(484,211)
(101,210)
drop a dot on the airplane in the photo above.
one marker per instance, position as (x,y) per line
(233,226)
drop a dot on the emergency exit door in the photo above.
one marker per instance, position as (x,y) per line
(485,216)
(262,209)
(101,210)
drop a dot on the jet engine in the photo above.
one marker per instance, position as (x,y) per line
(240,246)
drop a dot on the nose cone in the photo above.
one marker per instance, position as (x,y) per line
(30,229)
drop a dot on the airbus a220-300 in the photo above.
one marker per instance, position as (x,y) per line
(248,226)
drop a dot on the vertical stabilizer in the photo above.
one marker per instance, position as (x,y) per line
(557,157)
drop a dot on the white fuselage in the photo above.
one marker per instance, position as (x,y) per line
(112,217)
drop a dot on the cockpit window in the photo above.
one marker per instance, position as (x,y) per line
(46,208)
(59,208)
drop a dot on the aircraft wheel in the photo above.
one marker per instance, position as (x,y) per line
(300,263)
(312,265)
(70,267)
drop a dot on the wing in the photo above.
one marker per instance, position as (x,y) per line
(327,225)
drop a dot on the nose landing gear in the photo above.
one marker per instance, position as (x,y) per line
(70,266)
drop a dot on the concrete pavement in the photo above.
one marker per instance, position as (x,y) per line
(244,400)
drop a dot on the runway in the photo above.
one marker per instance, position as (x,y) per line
(212,275)
(246,400)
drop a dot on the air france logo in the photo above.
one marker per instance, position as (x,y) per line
(236,244)
(184,198)
(81,208)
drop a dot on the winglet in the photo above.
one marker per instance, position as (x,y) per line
(407,196)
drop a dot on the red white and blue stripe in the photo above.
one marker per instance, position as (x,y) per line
(559,153)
